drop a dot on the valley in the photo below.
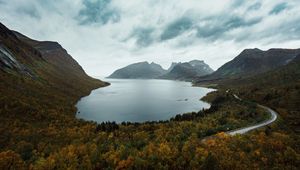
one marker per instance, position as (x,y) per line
(41,84)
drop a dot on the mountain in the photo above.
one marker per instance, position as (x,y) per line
(286,75)
(40,85)
(172,66)
(38,76)
(180,71)
(202,67)
(141,70)
(188,70)
(252,62)
(277,88)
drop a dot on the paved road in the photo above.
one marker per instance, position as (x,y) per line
(249,128)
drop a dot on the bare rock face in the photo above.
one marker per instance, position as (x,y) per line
(8,62)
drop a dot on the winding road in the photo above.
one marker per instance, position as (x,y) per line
(256,126)
(248,128)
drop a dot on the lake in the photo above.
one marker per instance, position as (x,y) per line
(141,100)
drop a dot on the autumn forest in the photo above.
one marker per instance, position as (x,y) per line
(252,122)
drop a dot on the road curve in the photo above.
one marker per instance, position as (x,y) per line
(256,126)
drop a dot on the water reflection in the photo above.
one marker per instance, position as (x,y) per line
(141,100)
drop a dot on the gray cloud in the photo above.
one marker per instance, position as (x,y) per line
(284,32)
(30,10)
(255,6)
(238,3)
(98,12)
(143,36)
(216,27)
(279,8)
(103,35)
(176,28)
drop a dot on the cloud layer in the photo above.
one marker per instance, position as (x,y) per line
(104,35)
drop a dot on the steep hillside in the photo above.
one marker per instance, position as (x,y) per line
(40,84)
(253,61)
(173,64)
(278,88)
(38,63)
(142,70)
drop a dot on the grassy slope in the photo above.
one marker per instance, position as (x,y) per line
(30,105)
(279,89)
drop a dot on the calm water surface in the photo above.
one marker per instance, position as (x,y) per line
(141,100)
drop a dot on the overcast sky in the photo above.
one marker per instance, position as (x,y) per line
(103,35)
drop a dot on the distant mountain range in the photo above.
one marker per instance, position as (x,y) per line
(248,63)
(141,70)
(252,62)
(178,71)
(187,70)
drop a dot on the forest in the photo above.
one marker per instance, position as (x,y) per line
(39,129)
(53,139)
